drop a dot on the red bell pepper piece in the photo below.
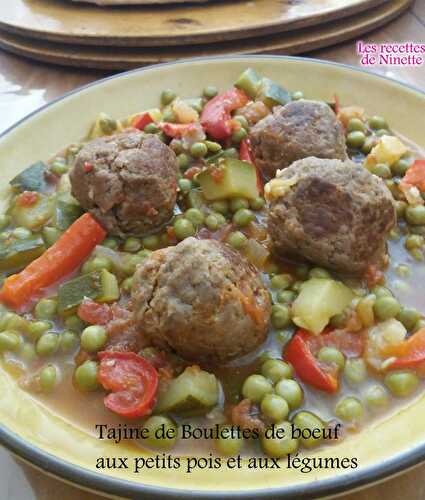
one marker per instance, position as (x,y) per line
(415,176)
(141,121)
(216,118)
(337,104)
(245,153)
(411,352)
(177,130)
(132,380)
(299,354)
(93,313)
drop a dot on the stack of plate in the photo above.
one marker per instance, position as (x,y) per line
(87,35)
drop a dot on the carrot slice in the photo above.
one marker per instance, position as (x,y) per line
(72,248)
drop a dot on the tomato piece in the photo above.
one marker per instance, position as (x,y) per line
(27,199)
(132,380)
(94,313)
(415,176)
(298,353)
(141,121)
(177,130)
(245,153)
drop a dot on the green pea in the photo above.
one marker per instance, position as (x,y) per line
(417,254)
(4,221)
(68,341)
(46,309)
(331,356)
(302,271)
(400,207)
(297,285)
(237,240)
(198,150)
(36,329)
(9,341)
(381,132)
(401,383)
(400,167)
(356,139)
(355,371)
(381,291)
(74,323)
(132,245)
(415,215)
(50,235)
(195,216)
(169,116)
(185,185)
(242,120)
(183,228)
(110,243)
(381,170)
(212,222)
(130,263)
(162,432)
(377,122)
(369,144)
(257,203)
(291,391)
(239,135)
(355,124)
(151,128)
(279,443)
(176,145)
(281,316)
(21,233)
(167,97)
(409,317)
(93,338)
(100,263)
(127,284)
(297,95)
(377,397)
(419,325)
(281,281)
(85,377)
(47,344)
(386,308)
(307,421)
(151,242)
(144,253)
(276,369)
(231,153)
(237,204)
(243,217)
(349,409)
(48,378)
(338,321)
(228,443)
(17,323)
(220,206)
(286,297)
(213,147)
(318,272)
(274,407)
(59,167)
(256,387)
(27,352)
(210,91)
(183,161)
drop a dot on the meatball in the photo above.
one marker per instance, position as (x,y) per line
(127,181)
(295,131)
(330,212)
(202,300)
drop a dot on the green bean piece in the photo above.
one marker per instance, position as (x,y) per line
(132,245)
(401,384)
(307,421)
(237,240)
(183,228)
(281,316)
(9,341)
(167,97)
(243,217)
(386,308)
(85,377)
(291,391)
(349,409)
(229,443)
(276,369)
(280,443)
(46,309)
(274,407)
(48,378)
(47,344)
(355,371)
(331,356)
(68,341)
(93,338)
(377,398)
(256,387)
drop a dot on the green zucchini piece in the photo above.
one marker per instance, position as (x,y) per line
(194,392)
(34,216)
(16,254)
(273,94)
(66,213)
(31,179)
(249,81)
(101,286)
(231,178)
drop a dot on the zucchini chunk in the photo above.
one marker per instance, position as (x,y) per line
(31,179)
(16,254)
(34,216)
(272,94)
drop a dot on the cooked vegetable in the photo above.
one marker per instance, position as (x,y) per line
(274,407)
(349,409)
(401,383)
(66,213)
(162,432)
(305,420)
(278,447)
(59,260)
(85,376)
(256,387)
(229,444)
(388,150)
(16,254)
(291,391)
(415,175)
(132,380)
(32,214)
(318,301)
(276,369)
(93,338)
(231,178)
(249,81)
(195,391)
(272,94)
(31,179)
(245,154)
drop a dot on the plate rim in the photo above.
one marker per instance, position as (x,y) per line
(102,483)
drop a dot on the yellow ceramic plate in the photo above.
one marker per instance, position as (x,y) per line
(57,446)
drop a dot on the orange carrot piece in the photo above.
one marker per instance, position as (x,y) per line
(415,176)
(72,248)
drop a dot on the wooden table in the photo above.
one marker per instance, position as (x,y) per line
(25,85)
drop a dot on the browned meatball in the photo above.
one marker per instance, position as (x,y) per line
(330,212)
(202,300)
(295,131)
(127,181)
